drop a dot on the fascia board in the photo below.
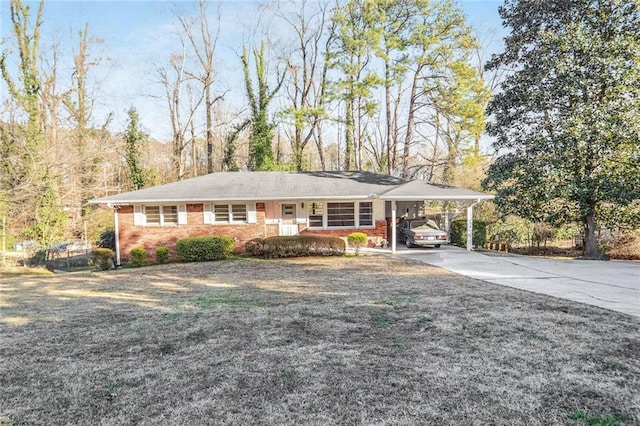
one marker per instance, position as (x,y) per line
(209,199)
(437,197)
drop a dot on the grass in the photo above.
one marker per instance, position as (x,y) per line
(366,340)
(19,271)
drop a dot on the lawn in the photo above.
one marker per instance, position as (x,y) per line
(313,341)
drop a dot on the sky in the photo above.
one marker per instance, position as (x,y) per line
(135,38)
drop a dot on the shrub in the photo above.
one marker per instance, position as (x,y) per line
(138,256)
(625,246)
(107,239)
(162,254)
(542,232)
(459,232)
(357,240)
(303,245)
(254,247)
(103,258)
(202,249)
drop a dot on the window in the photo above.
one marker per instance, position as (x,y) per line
(170,214)
(152,214)
(238,213)
(366,214)
(221,213)
(161,215)
(340,214)
(226,213)
(316,213)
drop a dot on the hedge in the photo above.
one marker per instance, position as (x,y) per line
(296,246)
(202,249)
(458,233)
(254,247)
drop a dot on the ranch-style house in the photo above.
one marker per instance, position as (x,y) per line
(246,205)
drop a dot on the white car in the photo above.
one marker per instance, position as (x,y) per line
(421,233)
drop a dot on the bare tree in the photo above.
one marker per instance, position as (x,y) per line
(81,168)
(174,80)
(25,180)
(308,77)
(203,44)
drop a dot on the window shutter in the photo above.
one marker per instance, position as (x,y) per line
(252,216)
(206,209)
(182,214)
(138,216)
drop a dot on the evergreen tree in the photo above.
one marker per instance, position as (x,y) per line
(133,139)
(569,114)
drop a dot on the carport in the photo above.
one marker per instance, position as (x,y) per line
(419,191)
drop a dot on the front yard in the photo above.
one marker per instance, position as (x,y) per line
(365,340)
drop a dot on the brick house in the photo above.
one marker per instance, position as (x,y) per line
(246,205)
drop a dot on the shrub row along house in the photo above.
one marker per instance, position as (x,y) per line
(247,205)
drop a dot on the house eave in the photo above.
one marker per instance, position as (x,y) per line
(114,202)
(438,197)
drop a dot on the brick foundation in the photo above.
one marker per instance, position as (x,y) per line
(378,233)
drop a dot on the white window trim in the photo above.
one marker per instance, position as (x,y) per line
(210,216)
(373,220)
(356,212)
(140,215)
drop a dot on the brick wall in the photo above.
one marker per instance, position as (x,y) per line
(150,237)
(379,232)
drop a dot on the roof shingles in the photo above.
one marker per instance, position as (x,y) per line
(263,186)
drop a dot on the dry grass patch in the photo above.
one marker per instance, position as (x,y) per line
(367,340)
(19,271)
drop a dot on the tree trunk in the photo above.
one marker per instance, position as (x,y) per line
(348,137)
(320,144)
(298,148)
(410,124)
(591,245)
(209,105)
(387,101)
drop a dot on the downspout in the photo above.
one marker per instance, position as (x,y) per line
(470,225)
(116,232)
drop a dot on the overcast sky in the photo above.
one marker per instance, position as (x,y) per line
(139,36)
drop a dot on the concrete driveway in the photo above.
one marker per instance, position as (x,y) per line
(613,285)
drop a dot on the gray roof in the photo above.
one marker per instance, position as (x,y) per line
(420,189)
(265,186)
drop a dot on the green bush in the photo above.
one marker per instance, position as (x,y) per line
(303,245)
(162,254)
(254,247)
(357,240)
(107,239)
(202,249)
(459,232)
(138,256)
(103,258)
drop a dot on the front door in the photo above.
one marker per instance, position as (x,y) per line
(288,225)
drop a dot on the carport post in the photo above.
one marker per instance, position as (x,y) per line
(393,226)
(470,227)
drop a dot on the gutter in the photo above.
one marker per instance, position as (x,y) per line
(116,231)
(112,202)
